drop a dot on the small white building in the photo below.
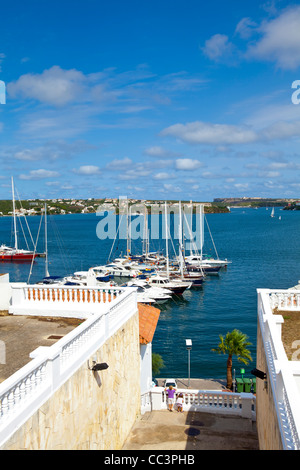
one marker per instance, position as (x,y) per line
(148,318)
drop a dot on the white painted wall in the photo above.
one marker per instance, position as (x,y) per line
(146,366)
(6,291)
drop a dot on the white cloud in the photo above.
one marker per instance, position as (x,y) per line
(119,163)
(162,176)
(87,170)
(54,86)
(172,188)
(135,173)
(187,164)
(280,40)
(39,174)
(159,152)
(206,133)
(281,130)
(52,183)
(245,28)
(276,39)
(218,47)
(51,150)
(241,186)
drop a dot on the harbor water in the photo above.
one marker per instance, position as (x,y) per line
(264,253)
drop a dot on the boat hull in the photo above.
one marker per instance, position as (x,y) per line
(11,258)
(16,257)
(204,269)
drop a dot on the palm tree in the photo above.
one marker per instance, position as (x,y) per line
(234,344)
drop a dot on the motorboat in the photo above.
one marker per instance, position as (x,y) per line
(160,295)
(199,260)
(202,268)
(175,285)
(117,270)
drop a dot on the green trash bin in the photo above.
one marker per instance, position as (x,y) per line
(254,384)
(247,385)
(239,385)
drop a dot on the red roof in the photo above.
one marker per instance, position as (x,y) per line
(148,317)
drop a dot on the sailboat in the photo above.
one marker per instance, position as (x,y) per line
(15,253)
(180,275)
(272,213)
(198,262)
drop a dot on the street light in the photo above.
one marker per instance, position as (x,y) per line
(188,343)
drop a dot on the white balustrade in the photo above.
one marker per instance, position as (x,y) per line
(78,301)
(26,390)
(282,373)
(239,404)
(285,299)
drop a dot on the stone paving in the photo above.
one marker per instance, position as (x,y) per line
(165,430)
(192,430)
(20,335)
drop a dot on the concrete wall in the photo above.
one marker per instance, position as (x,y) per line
(92,410)
(266,418)
(5,292)
(146,366)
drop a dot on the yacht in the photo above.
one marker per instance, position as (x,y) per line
(159,295)
(175,285)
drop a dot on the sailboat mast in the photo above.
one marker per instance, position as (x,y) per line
(146,233)
(180,241)
(14,213)
(167,239)
(46,244)
(201,230)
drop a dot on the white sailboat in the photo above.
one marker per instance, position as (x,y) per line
(272,213)
(198,261)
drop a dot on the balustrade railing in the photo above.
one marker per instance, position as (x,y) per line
(239,404)
(83,294)
(285,299)
(39,299)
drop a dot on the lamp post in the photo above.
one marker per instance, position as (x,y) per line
(188,343)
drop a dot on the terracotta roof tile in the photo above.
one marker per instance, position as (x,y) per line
(148,317)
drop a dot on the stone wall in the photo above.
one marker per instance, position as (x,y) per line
(92,410)
(266,418)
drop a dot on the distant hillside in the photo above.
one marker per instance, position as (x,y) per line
(255,202)
(91,205)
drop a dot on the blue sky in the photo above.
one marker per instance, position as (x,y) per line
(167,100)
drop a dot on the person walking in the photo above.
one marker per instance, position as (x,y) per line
(171,397)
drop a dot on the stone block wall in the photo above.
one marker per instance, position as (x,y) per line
(92,410)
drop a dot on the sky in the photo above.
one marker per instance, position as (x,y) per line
(160,100)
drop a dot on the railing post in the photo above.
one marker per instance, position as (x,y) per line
(54,364)
(246,405)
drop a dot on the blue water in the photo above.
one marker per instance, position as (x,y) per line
(265,253)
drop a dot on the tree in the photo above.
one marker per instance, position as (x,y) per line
(157,364)
(234,344)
